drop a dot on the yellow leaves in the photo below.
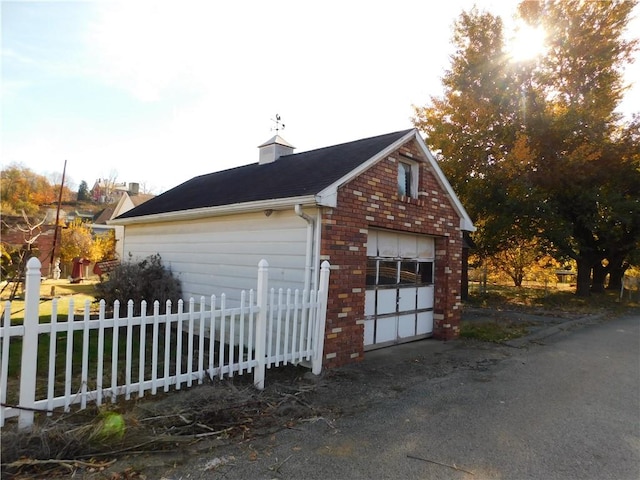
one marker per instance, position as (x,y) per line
(78,240)
(522,152)
(586,152)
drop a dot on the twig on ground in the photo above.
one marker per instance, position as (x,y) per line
(208,434)
(441,464)
(316,419)
(277,466)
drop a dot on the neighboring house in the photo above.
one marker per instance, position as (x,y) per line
(378,209)
(128,201)
(107,191)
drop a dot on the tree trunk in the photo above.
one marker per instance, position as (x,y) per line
(517,279)
(599,276)
(616,273)
(583,285)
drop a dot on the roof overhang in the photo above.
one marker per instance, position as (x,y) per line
(219,211)
(329,196)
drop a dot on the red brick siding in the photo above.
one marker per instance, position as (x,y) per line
(371,201)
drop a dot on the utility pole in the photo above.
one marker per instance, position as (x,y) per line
(55,231)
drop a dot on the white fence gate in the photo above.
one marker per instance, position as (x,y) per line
(105,357)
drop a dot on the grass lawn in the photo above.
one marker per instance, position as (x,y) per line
(535,299)
(496,331)
(50,289)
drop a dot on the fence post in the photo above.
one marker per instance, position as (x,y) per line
(29,344)
(323,294)
(261,324)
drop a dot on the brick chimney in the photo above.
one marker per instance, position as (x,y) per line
(273,149)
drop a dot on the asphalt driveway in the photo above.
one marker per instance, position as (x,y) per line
(565,406)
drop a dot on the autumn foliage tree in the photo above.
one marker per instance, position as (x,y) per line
(21,189)
(536,149)
(79,241)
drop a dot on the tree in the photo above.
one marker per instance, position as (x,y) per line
(104,246)
(76,241)
(79,241)
(586,184)
(13,258)
(536,149)
(83,191)
(518,260)
(22,190)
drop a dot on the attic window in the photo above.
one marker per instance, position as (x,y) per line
(407,179)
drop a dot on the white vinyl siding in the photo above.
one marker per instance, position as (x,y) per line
(221,254)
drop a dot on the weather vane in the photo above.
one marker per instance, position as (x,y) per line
(279,125)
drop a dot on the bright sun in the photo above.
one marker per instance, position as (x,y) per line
(526,43)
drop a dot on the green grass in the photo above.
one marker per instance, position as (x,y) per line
(555,299)
(494,331)
(49,289)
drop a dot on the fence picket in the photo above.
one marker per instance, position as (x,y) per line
(241,343)
(261,332)
(286,328)
(69,358)
(128,351)
(294,335)
(212,334)
(167,345)
(142,346)
(303,324)
(223,304)
(52,356)
(154,351)
(114,351)
(278,326)
(201,342)
(4,367)
(99,367)
(311,316)
(232,343)
(84,379)
(190,343)
(253,334)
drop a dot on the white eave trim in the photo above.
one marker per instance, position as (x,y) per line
(205,212)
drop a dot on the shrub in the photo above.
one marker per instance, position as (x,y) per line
(146,280)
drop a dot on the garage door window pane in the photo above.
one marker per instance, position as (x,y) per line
(425,273)
(371,272)
(408,273)
(388,273)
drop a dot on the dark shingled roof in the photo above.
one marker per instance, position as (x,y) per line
(295,175)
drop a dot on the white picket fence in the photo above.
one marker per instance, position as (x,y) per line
(154,351)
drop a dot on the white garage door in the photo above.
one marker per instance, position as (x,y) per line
(399,296)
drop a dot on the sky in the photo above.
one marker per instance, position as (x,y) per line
(157,92)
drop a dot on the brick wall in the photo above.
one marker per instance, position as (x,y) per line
(371,201)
